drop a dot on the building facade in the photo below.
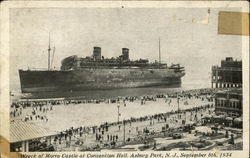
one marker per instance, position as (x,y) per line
(229,102)
(229,74)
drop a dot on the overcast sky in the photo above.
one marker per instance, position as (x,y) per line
(188,36)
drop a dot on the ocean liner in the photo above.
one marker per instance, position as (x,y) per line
(97,72)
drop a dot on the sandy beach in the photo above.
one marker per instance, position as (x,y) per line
(63,117)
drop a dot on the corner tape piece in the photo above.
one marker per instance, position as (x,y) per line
(233,23)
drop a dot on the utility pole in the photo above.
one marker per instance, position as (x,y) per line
(178,101)
(118,112)
(124,131)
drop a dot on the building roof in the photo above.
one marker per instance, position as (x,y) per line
(21,131)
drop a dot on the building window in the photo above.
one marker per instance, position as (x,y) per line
(236,104)
(231,104)
(240,106)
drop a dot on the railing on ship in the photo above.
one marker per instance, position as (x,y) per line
(124,66)
(41,69)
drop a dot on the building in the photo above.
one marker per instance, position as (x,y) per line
(25,137)
(229,102)
(229,74)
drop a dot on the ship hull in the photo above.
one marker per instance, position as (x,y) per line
(95,79)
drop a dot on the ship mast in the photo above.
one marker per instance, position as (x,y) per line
(49,49)
(159,51)
(53,54)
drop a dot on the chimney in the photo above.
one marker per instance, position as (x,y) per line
(97,53)
(125,53)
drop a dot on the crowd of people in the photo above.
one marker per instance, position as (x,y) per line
(102,133)
(38,111)
(105,135)
(41,107)
(19,105)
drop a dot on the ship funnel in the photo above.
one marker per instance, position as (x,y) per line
(125,53)
(97,53)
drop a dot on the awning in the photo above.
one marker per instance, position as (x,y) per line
(220,98)
(238,120)
(21,131)
(221,116)
(215,116)
(229,119)
(222,113)
(233,99)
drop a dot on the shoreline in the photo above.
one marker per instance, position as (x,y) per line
(176,91)
(101,94)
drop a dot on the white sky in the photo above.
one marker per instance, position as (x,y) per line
(75,31)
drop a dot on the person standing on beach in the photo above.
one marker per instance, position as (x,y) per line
(96,136)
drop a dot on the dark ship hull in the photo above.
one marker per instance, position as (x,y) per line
(33,81)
